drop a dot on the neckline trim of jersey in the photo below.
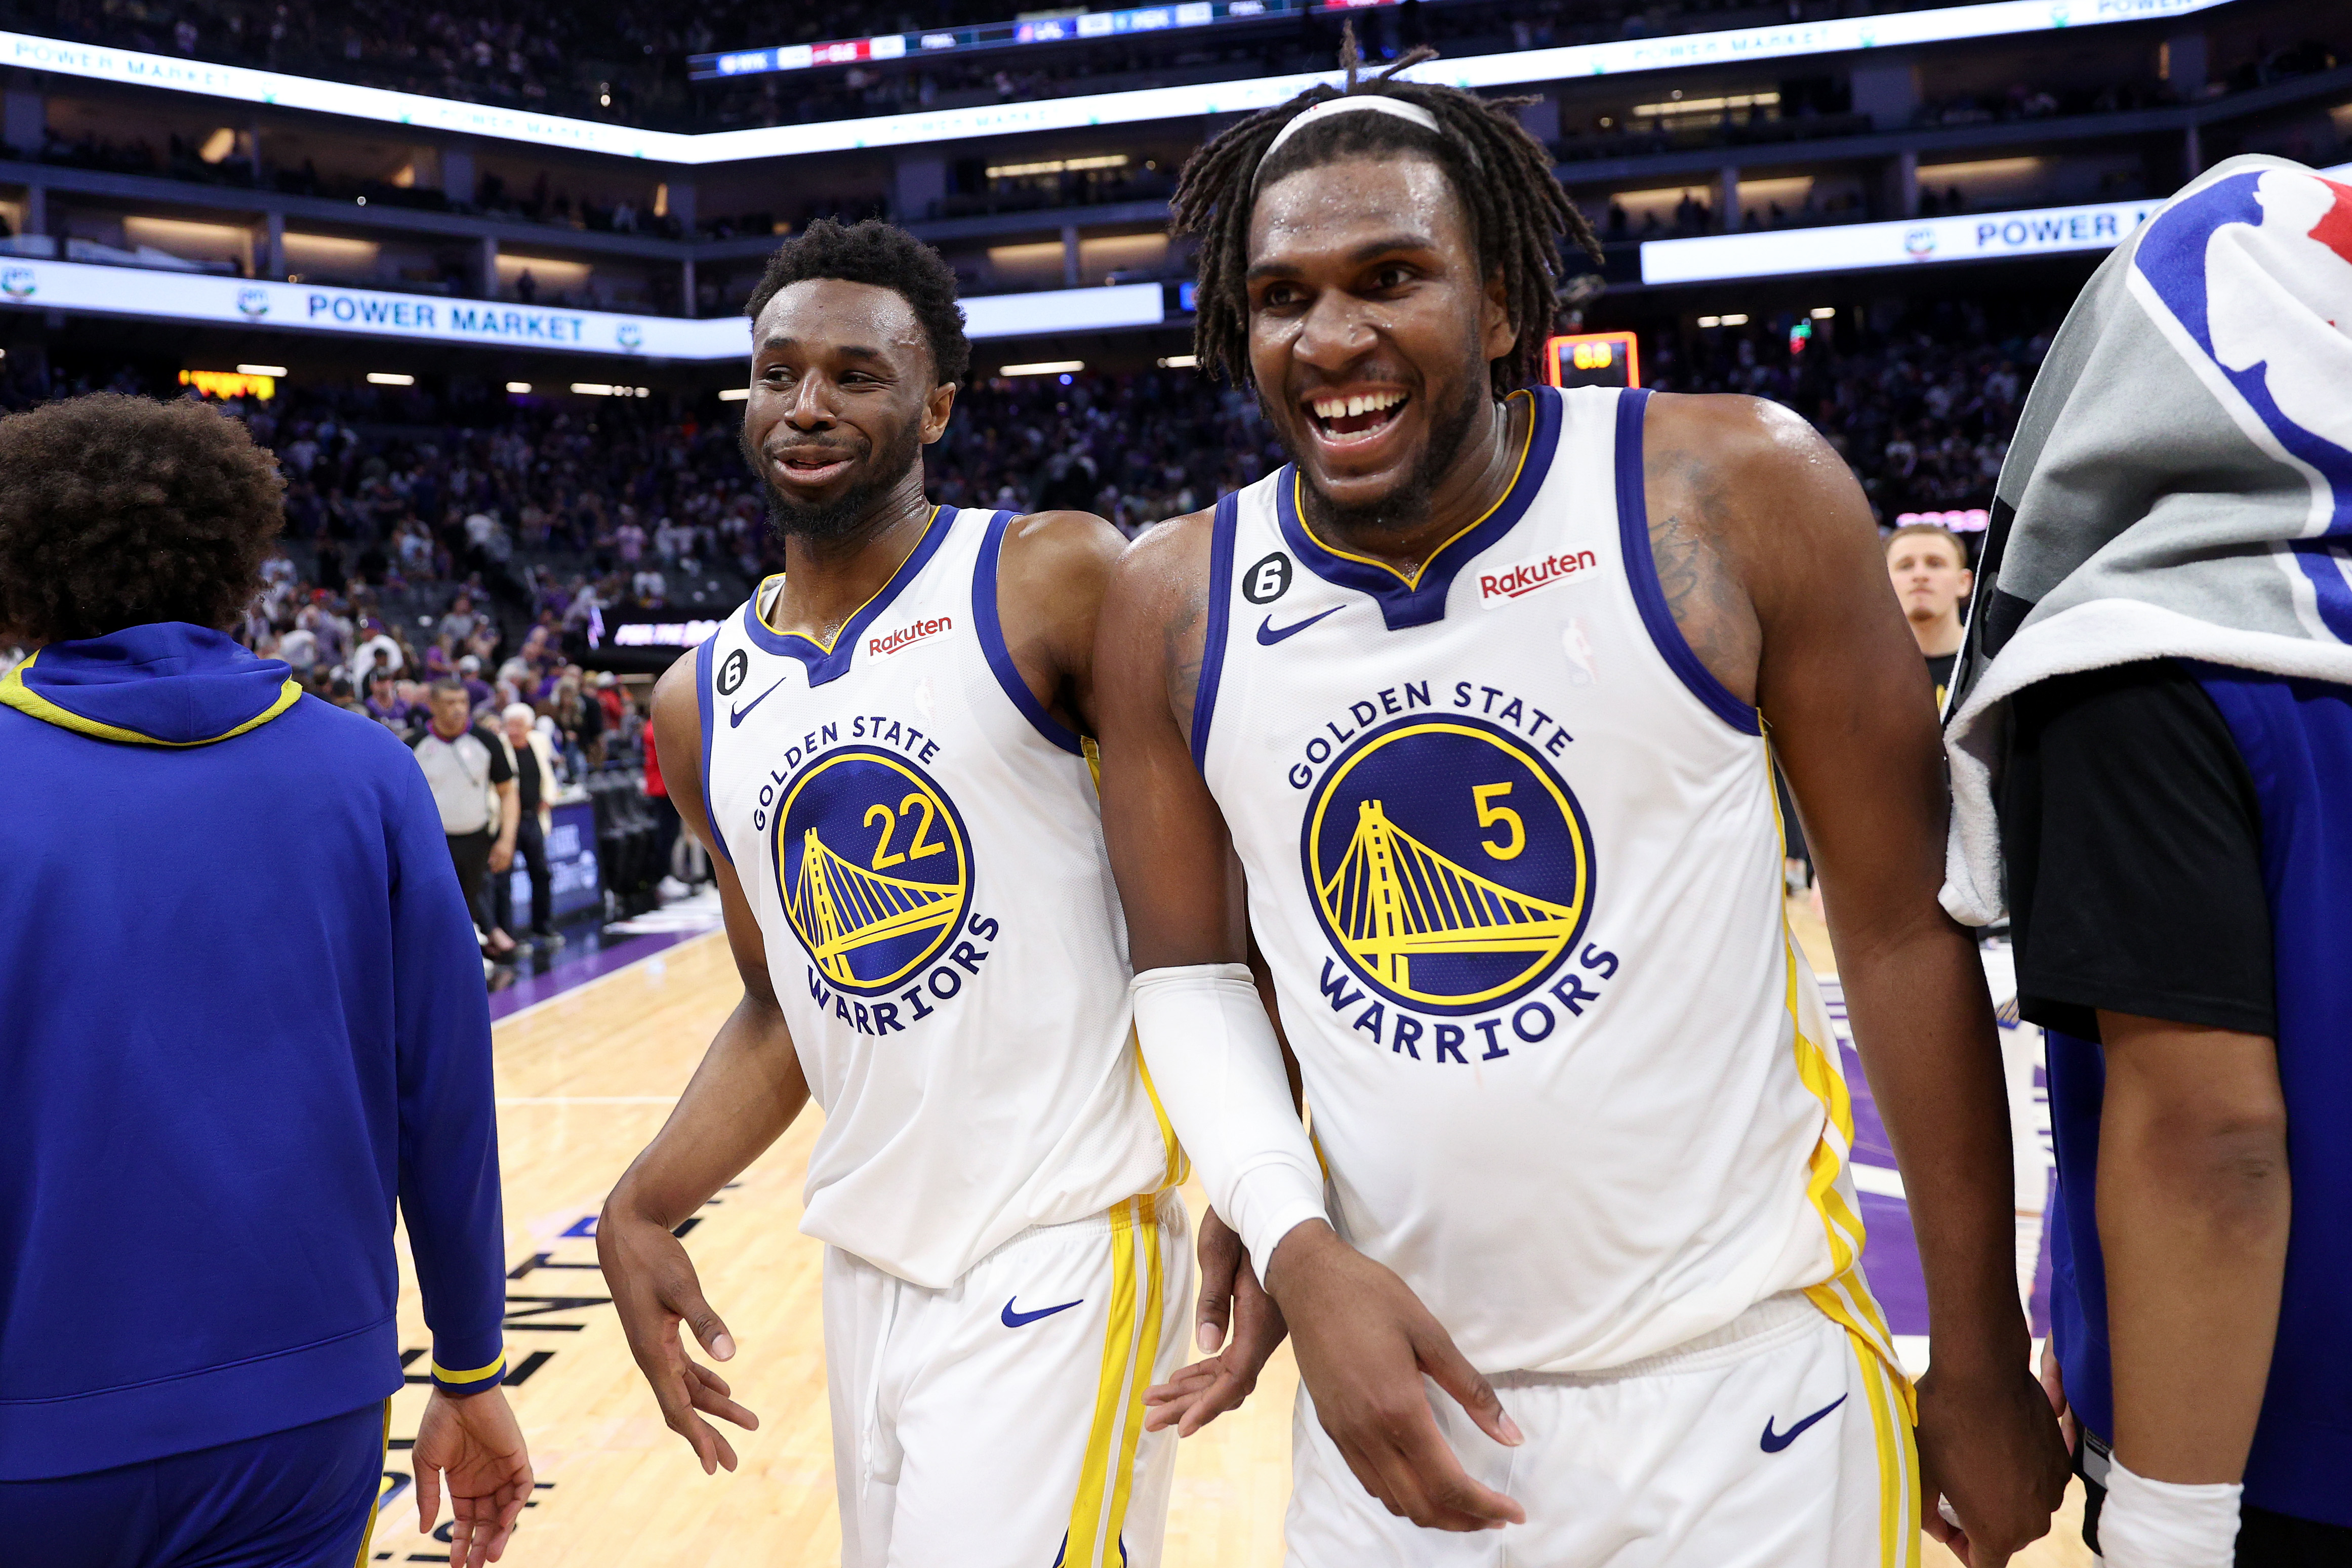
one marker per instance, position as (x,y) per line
(1419,598)
(830,661)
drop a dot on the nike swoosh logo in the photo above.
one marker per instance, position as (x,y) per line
(735,716)
(1014,1320)
(1776,1441)
(1269,636)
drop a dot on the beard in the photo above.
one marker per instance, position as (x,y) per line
(1407,505)
(826,521)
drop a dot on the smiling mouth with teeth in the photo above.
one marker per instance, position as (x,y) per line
(1343,419)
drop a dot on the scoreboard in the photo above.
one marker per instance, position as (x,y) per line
(1592,360)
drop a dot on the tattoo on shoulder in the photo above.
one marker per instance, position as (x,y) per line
(1709,606)
(1183,644)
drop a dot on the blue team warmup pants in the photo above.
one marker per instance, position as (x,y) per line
(299,1499)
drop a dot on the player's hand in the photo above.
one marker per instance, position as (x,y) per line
(655,1289)
(1230,1297)
(1990,1445)
(473,1447)
(2054,1384)
(1364,1343)
(501,856)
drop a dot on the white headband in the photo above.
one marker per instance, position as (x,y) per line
(1379,103)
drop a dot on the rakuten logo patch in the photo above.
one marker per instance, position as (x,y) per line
(913,632)
(1516,581)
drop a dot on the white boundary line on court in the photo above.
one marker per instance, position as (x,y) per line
(571,991)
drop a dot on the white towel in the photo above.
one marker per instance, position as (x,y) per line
(2180,485)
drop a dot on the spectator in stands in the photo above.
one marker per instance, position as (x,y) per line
(1929,567)
(300,648)
(385,705)
(231,1044)
(581,721)
(534,771)
(378,653)
(666,818)
(608,697)
(474,789)
(477,690)
(458,624)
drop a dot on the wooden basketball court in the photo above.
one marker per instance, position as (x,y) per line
(583,1080)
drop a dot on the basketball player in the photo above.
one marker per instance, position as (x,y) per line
(882,752)
(1929,567)
(1473,698)
(242,1022)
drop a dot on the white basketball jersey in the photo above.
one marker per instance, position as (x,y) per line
(921,843)
(1514,859)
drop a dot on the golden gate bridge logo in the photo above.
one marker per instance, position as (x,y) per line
(873,865)
(1473,903)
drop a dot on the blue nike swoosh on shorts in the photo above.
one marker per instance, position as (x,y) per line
(1014,1320)
(1776,1441)
(1269,636)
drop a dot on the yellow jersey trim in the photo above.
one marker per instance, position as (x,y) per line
(1413,578)
(1179,1167)
(825,645)
(1844,1297)
(443,1374)
(15,693)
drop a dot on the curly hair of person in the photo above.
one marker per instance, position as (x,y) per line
(121,511)
(1503,176)
(887,256)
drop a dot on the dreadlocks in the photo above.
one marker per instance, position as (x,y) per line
(1503,176)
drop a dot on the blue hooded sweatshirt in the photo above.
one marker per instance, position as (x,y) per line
(241,1018)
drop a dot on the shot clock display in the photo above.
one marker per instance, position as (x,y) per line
(1592,360)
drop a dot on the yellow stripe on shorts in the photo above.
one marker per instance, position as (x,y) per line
(1131,1349)
(383,1485)
(1899,1502)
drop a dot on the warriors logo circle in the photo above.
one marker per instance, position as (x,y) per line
(874,866)
(1449,864)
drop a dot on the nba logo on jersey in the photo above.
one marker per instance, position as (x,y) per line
(873,867)
(1449,863)
(2207,271)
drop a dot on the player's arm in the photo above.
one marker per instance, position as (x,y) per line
(748,1090)
(1363,1341)
(1050,580)
(1055,571)
(467,1443)
(2193,1209)
(1769,556)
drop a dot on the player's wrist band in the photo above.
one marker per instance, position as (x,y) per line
(1217,1066)
(477,1380)
(2166,1524)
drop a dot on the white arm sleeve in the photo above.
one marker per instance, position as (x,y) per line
(2167,1524)
(1217,1067)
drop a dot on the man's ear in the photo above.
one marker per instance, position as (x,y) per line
(1494,318)
(936,409)
(1967,582)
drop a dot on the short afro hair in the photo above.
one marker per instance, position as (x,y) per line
(121,511)
(888,257)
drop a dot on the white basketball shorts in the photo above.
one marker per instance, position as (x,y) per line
(1780,1441)
(999,1423)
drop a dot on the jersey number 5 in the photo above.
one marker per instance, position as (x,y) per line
(1485,796)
